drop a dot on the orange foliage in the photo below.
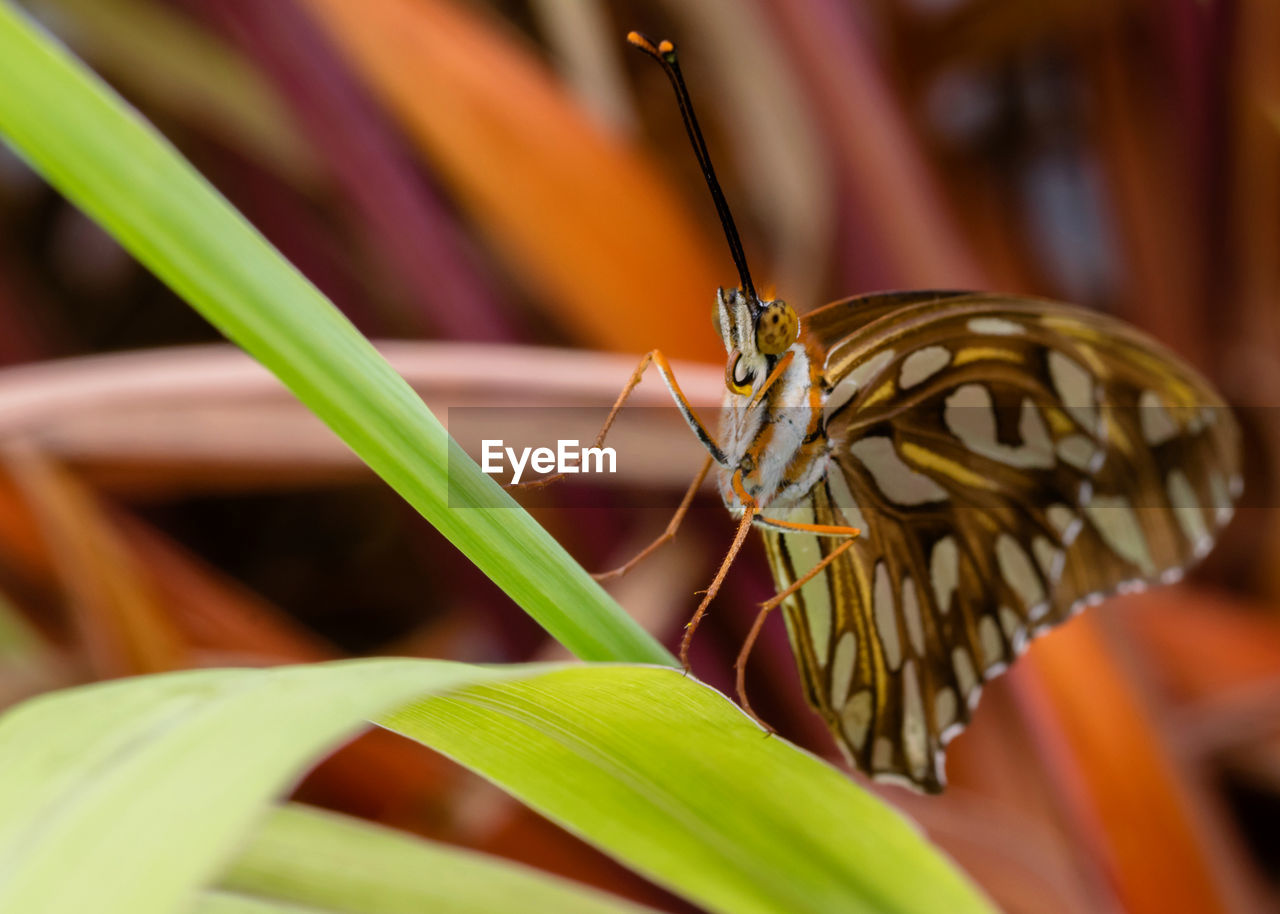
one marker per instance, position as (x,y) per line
(578,215)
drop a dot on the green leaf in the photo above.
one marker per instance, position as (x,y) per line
(146,785)
(103,157)
(144,788)
(672,778)
(231,903)
(312,858)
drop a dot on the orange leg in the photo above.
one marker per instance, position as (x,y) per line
(744,527)
(668,534)
(740,665)
(778,371)
(785,525)
(750,515)
(682,403)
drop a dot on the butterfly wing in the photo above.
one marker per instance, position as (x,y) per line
(1009,461)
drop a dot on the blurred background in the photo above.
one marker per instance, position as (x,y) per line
(473,177)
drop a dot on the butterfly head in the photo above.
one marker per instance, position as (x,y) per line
(755,333)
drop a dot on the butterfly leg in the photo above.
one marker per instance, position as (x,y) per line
(667,535)
(787,525)
(744,527)
(740,665)
(751,515)
(682,403)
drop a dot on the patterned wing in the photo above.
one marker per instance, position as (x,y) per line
(1009,461)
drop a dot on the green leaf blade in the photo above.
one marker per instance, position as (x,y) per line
(109,775)
(690,792)
(147,787)
(314,858)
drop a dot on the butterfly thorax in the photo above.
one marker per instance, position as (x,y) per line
(770,420)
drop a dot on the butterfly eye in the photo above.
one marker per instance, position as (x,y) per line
(736,376)
(776,328)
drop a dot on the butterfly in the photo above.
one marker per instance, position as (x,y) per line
(939,477)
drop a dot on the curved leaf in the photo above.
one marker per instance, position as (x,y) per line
(325,861)
(232,903)
(145,787)
(664,773)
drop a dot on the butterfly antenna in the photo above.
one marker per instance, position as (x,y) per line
(665,54)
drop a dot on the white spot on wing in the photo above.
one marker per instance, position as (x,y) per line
(1035,437)
(970,416)
(944,709)
(1182,498)
(854,381)
(923,364)
(886,617)
(911,615)
(1061,517)
(915,732)
(897,481)
(1120,529)
(992,644)
(1014,631)
(842,665)
(1075,389)
(1157,425)
(1079,451)
(995,326)
(1045,552)
(1222,507)
(855,718)
(966,676)
(944,570)
(1017,570)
